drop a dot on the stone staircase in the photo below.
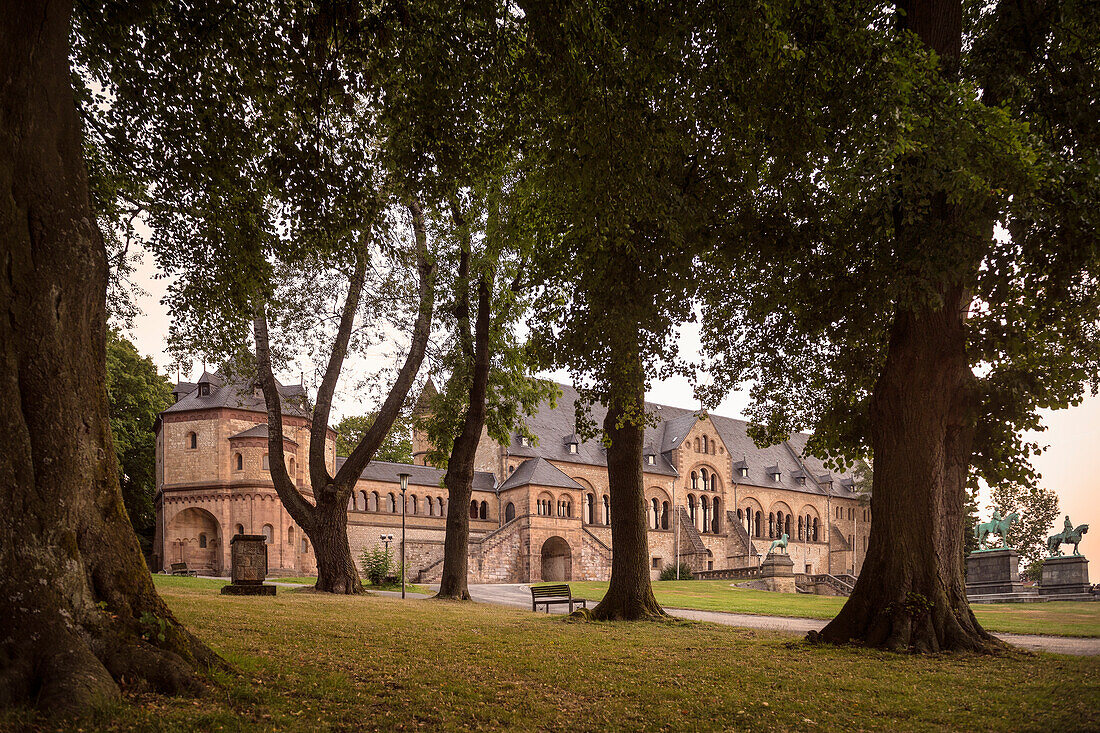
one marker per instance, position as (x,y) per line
(690,535)
(740,533)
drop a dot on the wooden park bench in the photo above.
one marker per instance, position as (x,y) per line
(180,568)
(553,594)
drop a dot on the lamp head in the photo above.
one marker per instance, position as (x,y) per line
(404,480)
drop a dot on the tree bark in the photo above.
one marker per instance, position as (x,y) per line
(630,593)
(459,479)
(911,593)
(79,609)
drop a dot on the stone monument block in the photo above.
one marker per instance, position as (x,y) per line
(248,556)
(777,572)
(993,572)
(1066,575)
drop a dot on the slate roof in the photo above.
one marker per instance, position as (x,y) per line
(387,472)
(259,431)
(539,472)
(237,395)
(552,425)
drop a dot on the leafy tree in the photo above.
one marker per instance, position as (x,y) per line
(255,126)
(970,542)
(396,447)
(1038,509)
(881,280)
(74,590)
(617,184)
(136,395)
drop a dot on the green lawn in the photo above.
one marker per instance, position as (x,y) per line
(1059,618)
(303,580)
(315,662)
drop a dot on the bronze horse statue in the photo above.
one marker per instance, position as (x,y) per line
(1069,536)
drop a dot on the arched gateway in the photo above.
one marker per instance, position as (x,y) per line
(557,560)
(194,537)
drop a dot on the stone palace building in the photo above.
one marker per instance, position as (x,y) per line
(540,509)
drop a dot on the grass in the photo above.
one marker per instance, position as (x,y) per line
(316,663)
(1057,618)
(169,581)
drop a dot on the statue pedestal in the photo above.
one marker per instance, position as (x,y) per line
(777,572)
(994,575)
(248,554)
(1067,575)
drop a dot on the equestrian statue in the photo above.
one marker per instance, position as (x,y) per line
(1069,535)
(998,525)
(781,543)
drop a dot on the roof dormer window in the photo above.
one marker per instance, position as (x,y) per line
(524,441)
(573,448)
(801,480)
(741,468)
(774,472)
(744,471)
(651,459)
(204,389)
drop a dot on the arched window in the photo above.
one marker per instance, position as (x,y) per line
(696,445)
(778,524)
(591,499)
(714,482)
(238,461)
(800,528)
(265,464)
(305,545)
(392,504)
(193,440)
(759,524)
(714,525)
(240,529)
(290,469)
(351,503)
(269,534)
(429,505)
(606,509)
(787,525)
(202,539)
(509,512)
(815,530)
(484,510)
(372,502)
(694,481)
(473,510)
(691,507)
(413,506)
(656,514)
(363,502)
(664,515)
(705,449)
(442,507)
(771,525)
(703,475)
(290,536)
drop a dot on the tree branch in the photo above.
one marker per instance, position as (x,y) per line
(364,452)
(296,505)
(318,472)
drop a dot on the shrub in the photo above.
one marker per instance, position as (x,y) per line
(376,564)
(1034,571)
(669,573)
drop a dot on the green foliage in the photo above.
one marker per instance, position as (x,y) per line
(153,627)
(377,564)
(874,142)
(669,572)
(397,447)
(1033,572)
(1038,509)
(136,395)
(970,542)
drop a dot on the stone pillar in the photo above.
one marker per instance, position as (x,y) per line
(777,572)
(993,572)
(249,566)
(1067,575)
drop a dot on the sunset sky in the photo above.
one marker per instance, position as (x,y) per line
(1070,466)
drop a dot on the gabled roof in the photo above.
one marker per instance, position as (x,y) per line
(388,472)
(237,394)
(538,472)
(552,425)
(259,431)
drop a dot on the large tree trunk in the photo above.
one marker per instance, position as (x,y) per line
(630,592)
(336,571)
(911,593)
(78,605)
(459,479)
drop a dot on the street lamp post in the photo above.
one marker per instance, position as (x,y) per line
(404,486)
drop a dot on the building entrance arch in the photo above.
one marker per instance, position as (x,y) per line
(557,560)
(195,537)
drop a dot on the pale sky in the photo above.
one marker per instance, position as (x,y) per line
(1070,466)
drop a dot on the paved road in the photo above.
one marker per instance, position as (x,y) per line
(519,596)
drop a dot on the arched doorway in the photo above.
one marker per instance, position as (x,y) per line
(557,560)
(194,537)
